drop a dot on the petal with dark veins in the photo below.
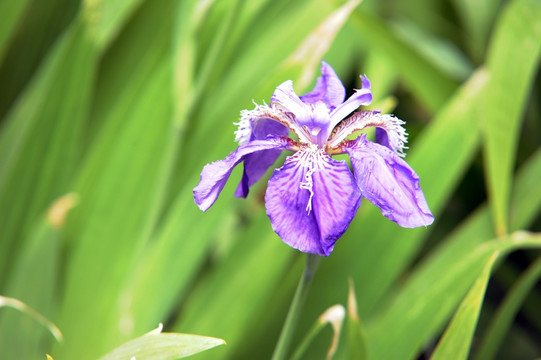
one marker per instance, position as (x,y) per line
(311,200)
(388,182)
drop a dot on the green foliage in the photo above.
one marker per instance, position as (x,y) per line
(108,116)
(162,346)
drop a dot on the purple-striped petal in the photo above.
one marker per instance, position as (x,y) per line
(311,200)
(388,182)
(328,89)
(215,175)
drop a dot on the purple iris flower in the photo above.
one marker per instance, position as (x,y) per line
(312,198)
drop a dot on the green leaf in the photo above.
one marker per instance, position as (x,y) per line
(439,51)
(40,144)
(478,18)
(457,339)
(435,267)
(512,61)
(309,53)
(502,321)
(114,231)
(354,344)
(525,203)
(11,13)
(218,307)
(105,18)
(408,322)
(335,317)
(162,346)
(427,83)
(34,280)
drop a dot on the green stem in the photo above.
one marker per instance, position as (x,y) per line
(284,342)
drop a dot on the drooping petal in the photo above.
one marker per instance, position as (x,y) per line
(328,89)
(311,200)
(387,181)
(255,166)
(215,175)
(389,130)
(362,96)
(258,124)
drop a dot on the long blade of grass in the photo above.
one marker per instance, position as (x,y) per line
(512,60)
(477,18)
(502,321)
(428,84)
(106,229)
(41,142)
(419,319)
(436,266)
(219,308)
(458,336)
(32,281)
(11,13)
(110,230)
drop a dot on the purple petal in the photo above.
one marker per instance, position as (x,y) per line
(328,89)
(389,182)
(215,175)
(285,95)
(261,122)
(256,164)
(311,200)
(311,121)
(360,97)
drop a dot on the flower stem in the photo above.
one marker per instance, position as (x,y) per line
(282,347)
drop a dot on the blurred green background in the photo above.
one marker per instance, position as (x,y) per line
(109,109)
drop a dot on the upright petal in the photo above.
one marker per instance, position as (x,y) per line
(215,175)
(362,96)
(328,89)
(388,182)
(311,121)
(287,97)
(311,200)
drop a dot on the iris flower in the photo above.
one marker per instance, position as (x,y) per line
(312,198)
